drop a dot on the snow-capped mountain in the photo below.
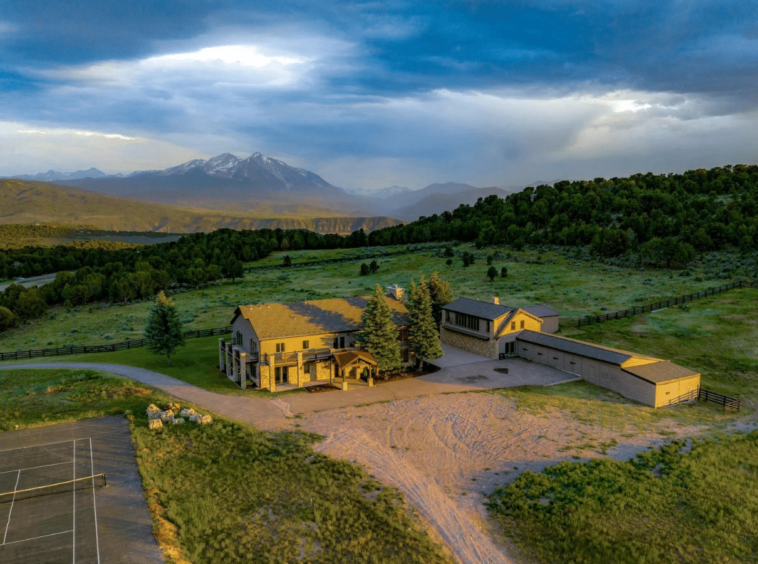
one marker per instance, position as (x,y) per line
(54,175)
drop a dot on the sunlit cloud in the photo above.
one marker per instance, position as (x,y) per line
(78,132)
(245,55)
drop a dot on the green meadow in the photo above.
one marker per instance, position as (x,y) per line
(672,505)
(567,280)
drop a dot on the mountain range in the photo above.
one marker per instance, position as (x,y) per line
(264,185)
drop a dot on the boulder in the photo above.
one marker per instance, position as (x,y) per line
(153,411)
(167,415)
(204,420)
(175,407)
(155,424)
(187,412)
(177,421)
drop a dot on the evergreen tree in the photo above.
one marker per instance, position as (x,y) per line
(163,332)
(492,273)
(379,334)
(442,294)
(373,267)
(364,269)
(504,272)
(287,261)
(425,337)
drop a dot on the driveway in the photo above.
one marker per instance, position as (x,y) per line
(490,374)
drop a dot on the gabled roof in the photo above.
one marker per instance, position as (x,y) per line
(295,319)
(580,348)
(477,308)
(659,372)
(504,323)
(346,358)
(541,311)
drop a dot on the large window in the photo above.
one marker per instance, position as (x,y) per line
(466,321)
(306,345)
(279,347)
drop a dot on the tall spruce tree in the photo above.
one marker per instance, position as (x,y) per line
(163,332)
(379,334)
(442,294)
(425,337)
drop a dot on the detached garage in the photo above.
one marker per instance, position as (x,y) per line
(648,380)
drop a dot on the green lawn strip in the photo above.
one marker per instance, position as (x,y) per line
(29,398)
(665,506)
(195,363)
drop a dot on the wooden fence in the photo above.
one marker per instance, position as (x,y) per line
(111,347)
(589,319)
(701,394)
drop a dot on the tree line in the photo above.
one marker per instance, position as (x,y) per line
(668,218)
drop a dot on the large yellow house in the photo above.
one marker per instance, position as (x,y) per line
(300,343)
(498,331)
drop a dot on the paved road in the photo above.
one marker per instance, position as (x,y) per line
(29,282)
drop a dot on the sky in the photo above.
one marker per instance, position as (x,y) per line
(373,94)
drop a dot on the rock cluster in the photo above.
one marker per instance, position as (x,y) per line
(157,417)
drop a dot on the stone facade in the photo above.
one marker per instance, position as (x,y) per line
(481,347)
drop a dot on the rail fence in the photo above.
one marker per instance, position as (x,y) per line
(701,394)
(589,319)
(110,347)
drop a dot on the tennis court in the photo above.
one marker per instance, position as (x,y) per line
(55,506)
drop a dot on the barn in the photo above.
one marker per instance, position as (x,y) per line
(648,380)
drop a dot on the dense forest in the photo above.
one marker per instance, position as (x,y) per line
(665,219)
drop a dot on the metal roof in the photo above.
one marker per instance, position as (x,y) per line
(477,308)
(541,311)
(588,350)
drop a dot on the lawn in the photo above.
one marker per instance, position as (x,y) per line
(666,506)
(226,492)
(571,283)
(195,363)
(29,398)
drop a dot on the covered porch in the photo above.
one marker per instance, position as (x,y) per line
(354,368)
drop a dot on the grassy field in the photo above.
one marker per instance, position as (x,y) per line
(572,285)
(195,363)
(226,492)
(29,398)
(666,506)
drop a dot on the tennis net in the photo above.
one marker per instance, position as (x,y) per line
(96,480)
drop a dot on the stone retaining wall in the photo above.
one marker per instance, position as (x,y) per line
(472,344)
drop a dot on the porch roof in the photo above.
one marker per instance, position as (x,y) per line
(345,359)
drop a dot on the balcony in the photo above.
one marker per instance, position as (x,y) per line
(310,355)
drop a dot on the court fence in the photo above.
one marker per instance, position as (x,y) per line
(86,482)
(589,319)
(110,347)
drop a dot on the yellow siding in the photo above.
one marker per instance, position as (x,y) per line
(295,344)
(638,361)
(530,324)
(671,390)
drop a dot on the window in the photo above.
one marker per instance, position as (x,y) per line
(253,346)
(336,343)
(522,323)
(406,355)
(279,347)
(306,345)
(513,325)
(238,339)
(466,321)
(488,326)
(342,342)
(447,316)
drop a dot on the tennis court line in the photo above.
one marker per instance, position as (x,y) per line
(35,538)
(94,503)
(35,446)
(35,467)
(10,511)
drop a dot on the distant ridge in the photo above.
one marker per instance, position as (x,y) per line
(54,175)
(39,202)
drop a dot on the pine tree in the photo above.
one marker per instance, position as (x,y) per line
(163,332)
(379,334)
(492,273)
(442,294)
(425,337)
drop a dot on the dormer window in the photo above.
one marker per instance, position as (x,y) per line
(513,325)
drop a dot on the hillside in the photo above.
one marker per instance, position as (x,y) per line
(39,202)
(440,202)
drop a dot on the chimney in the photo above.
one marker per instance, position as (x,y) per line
(496,301)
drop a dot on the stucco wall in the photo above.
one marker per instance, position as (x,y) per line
(486,348)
